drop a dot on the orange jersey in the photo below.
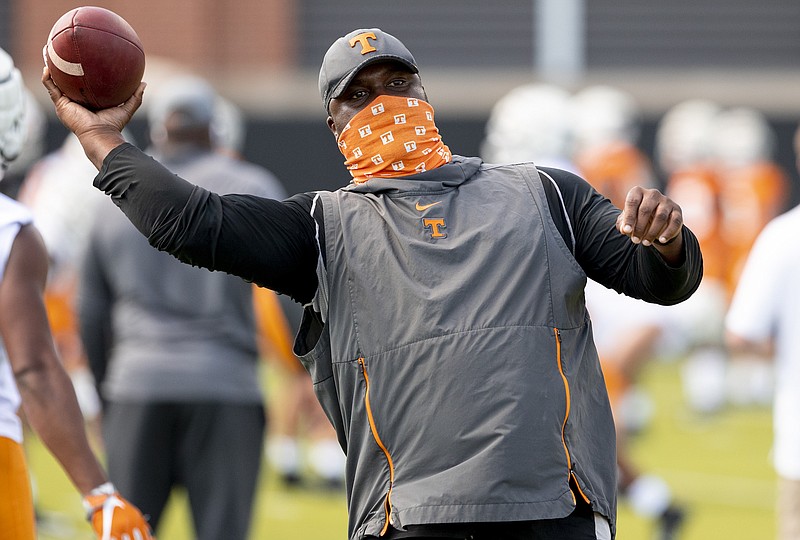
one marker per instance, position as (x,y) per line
(59,301)
(727,208)
(614,168)
(697,191)
(60,311)
(751,197)
(275,337)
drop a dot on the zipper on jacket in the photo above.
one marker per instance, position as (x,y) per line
(387,502)
(572,476)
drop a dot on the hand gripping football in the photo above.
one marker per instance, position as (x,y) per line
(95,57)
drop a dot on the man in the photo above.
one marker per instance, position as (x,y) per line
(762,323)
(444,324)
(174,347)
(31,373)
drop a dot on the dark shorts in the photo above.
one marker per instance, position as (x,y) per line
(213,449)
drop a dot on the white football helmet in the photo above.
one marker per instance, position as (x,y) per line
(530,123)
(684,134)
(604,114)
(12,110)
(742,136)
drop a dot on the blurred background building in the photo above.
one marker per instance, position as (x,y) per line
(264,55)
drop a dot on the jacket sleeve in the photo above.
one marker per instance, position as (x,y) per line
(268,242)
(611,259)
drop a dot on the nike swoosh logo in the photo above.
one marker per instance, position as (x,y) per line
(422,207)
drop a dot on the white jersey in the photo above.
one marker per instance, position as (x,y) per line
(767,305)
(614,314)
(59,192)
(12,216)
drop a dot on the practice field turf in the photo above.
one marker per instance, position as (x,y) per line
(717,465)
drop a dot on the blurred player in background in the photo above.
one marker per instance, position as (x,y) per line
(719,165)
(300,438)
(174,348)
(531,122)
(301,442)
(684,153)
(31,373)
(35,128)
(605,126)
(754,190)
(628,332)
(684,156)
(762,325)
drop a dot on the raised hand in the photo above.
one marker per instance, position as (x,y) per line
(651,218)
(98,131)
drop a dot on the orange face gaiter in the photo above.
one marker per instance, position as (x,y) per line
(393,136)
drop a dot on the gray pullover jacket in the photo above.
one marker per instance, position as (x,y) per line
(444,327)
(457,360)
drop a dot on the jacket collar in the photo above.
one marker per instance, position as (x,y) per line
(453,174)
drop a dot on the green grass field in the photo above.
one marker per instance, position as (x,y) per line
(718,467)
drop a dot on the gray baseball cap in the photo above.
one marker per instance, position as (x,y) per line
(351,53)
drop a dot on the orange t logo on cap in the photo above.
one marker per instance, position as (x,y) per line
(364,40)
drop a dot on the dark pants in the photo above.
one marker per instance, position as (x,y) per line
(212,449)
(577,526)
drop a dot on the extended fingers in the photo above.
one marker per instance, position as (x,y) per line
(53,90)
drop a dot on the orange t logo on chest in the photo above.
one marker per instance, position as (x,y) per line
(435,226)
(364,40)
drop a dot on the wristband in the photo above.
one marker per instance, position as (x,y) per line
(90,501)
(104,489)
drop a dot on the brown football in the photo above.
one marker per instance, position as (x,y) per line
(95,57)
